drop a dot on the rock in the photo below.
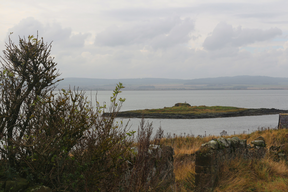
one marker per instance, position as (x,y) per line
(260,143)
(213,144)
(154,148)
(243,143)
(235,141)
(281,155)
(229,140)
(204,144)
(274,148)
(260,138)
(208,163)
(223,142)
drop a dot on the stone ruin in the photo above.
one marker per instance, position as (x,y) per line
(160,165)
(213,154)
(182,104)
(278,153)
(283,121)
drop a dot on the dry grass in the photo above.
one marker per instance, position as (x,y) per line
(272,136)
(186,145)
(180,151)
(260,175)
(239,175)
(184,158)
(182,171)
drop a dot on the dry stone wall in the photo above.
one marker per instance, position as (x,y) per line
(283,121)
(212,155)
(278,153)
(158,166)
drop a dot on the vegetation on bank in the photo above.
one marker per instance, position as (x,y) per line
(185,111)
(184,108)
(63,142)
(239,175)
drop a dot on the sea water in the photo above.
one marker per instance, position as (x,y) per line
(238,98)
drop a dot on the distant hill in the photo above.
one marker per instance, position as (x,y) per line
(236,82)
(252,80)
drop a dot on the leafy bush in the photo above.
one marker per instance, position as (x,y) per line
(59,139)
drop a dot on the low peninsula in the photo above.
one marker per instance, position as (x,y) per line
(186,111)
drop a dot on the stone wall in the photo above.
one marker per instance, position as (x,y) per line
(212,155)
(283,121)
(158,165)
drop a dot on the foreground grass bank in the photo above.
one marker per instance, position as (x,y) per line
(238,175)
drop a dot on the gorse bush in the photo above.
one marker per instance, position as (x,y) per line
(59,139)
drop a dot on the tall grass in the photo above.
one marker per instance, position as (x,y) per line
(258,175)
(238,175)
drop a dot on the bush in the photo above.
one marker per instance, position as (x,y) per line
(59,139)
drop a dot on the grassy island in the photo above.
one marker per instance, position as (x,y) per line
(185,108)
(186,111)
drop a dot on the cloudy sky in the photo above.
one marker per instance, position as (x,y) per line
(183,39)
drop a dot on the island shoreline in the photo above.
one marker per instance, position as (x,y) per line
(247,112)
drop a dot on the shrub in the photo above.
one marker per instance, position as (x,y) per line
(56,139)
(61,140)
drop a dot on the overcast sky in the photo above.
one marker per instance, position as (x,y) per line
(183,39)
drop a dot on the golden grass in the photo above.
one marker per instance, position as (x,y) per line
(180,151)
(181,169)
(239,175)
(258,175)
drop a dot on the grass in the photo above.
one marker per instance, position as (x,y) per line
(239,174)
(184,109)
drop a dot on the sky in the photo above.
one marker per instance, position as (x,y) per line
(183,39)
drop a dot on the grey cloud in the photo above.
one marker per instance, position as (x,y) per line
(225,35)
(259,15)
(61,37)
(144,13)
(251,10)
(276,22)
(180,62)
(178,34)
(156,33)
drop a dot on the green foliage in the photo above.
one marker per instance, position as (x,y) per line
(186,109)
(27,74)
(61,140)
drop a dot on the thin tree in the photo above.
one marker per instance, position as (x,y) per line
(27,74)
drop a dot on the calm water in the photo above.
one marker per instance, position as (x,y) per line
(238,98)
